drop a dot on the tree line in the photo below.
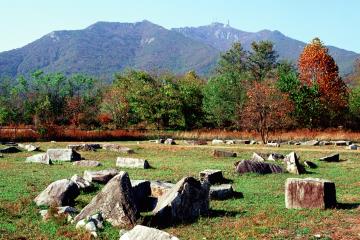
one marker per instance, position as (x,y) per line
(249,90)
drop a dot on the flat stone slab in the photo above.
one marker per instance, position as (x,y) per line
(132,163)
(83,147)
(311,143)
(64,155)
(196,142)
(221,153)
(140,232)
(158,188)
(331,158)
(217,141)
(117,148)
(248,166)
(10,150)
(213,176)
(342,143)
(87,163)
(221,192)
(273,144)
(102,176)
(39,158)
(29,147)
(309,193)
(241,141)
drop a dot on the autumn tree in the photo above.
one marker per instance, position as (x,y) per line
(317,67)
(267,109)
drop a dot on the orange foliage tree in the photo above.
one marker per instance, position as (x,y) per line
(267,109)
(317,67)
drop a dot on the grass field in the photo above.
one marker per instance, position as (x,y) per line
(260,214)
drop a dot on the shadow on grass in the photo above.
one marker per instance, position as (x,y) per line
(347,205)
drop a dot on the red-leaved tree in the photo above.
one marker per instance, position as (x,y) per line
(267,109)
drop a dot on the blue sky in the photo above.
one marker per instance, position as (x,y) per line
(336,22)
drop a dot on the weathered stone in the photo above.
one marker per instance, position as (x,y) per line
(39,158)
(342,143)
(309,193)
(240,141)
(257,157)
(252,142)
(353,147)
(115,202)
(196,142)
(293,165)
(186,201)
(248,166)
(331,158)
(140,232)
(29,147)
(81,182)
(275,157)
(170,141)
(91,224)
(65,155)
(221,192)
(59,193)
(117,148)
(10,150)
(132,163)
(311,143)
(87,163)
(221,153)
(229,142)
(212,176)
(217,141)
(102,176)
(81,147)
(272,144)
(324,143)
(310,164)
(159,188)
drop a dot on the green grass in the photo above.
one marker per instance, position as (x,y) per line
(260,214)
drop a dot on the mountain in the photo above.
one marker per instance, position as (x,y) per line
(105,48)
(221,37)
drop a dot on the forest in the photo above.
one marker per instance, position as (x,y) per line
(248,90)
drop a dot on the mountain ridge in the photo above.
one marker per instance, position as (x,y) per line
(105,48)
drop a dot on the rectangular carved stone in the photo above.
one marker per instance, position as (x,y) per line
(309,193)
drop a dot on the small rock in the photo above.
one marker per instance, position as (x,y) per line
(81,182)
(275,157)
(60,193)
(87,163)
(293,165)
(257,157)
(324,143)
(140,232)
(229,142)
(83,147)
(353,147)
(170,141)
(331,158)
(67,211)
(217,141)
(240,141)
(309,193)
(221,153)
(272,144)
(29,147)
(212,176)
(39,158)
(117,148)
(102,176)
(196,142)
(221,192)
(132,163)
